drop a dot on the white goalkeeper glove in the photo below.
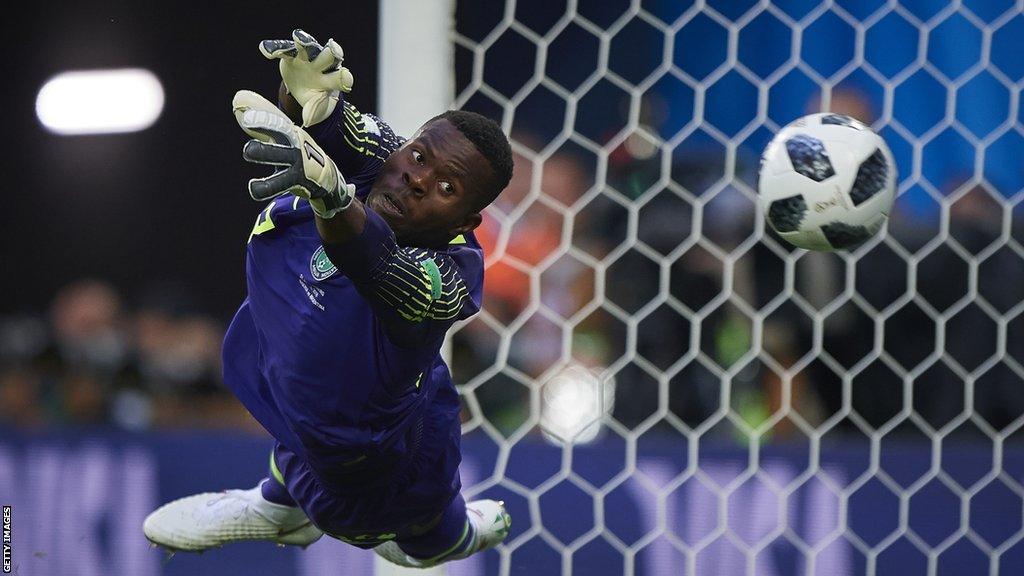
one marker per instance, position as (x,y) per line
(301,167)
(312,73)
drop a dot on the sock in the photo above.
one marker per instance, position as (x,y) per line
(274,491)
(287,516)
(453,537)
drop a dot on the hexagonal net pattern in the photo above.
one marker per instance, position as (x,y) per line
(664,386)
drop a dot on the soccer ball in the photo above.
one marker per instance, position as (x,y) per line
(827,182)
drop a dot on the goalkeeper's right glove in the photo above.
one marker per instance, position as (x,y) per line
(312,73)
(301,167)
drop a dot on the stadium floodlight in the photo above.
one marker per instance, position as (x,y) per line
(100,101)
(573,404)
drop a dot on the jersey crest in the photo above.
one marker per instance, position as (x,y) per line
(320,266)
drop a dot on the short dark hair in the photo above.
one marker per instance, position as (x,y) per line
(493,145)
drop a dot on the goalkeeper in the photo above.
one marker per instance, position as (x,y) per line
(356,268)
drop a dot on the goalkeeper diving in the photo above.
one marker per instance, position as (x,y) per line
(356,268)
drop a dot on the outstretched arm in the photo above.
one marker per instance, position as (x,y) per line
(343,227)
(346,224)
(311,93)
(416,293)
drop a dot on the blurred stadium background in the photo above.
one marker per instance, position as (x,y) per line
(656,385)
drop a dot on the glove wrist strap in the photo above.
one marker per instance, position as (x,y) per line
(335,201)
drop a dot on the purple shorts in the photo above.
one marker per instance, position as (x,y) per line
(422,509)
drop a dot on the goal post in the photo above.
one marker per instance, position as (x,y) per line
(416,73)
(416,82)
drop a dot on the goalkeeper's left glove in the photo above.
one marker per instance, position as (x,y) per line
(312,73)
(301,167)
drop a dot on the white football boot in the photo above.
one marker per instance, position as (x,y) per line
(212,519)
(490,522)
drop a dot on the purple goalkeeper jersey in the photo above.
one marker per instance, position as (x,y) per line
(340,360)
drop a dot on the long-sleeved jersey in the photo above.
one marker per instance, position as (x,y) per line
(339,360)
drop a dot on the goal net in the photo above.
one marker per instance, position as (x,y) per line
(663,386)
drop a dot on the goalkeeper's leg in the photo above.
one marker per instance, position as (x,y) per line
(212,519)
(464,529)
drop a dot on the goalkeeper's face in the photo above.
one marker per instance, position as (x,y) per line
(429,190)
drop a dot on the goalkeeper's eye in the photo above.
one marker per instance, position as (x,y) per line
(447,188)
(418,157)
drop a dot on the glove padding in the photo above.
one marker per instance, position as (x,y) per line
(312,73)
(300,166)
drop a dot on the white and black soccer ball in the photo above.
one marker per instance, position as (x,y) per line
(827,182)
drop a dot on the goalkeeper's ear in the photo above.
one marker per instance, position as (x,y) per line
(468,224)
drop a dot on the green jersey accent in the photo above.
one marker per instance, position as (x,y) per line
(435,277)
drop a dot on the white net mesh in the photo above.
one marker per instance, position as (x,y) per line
(724,404)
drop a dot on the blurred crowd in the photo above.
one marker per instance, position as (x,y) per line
(96,358)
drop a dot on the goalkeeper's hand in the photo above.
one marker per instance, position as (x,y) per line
(312,73)
(300,166)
